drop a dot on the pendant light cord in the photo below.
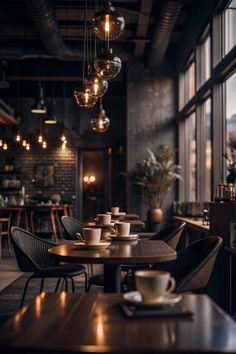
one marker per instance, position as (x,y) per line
(18,89)
(85,40)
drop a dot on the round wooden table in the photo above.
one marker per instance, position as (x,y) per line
(135,252)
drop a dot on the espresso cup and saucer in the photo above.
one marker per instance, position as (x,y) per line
(103,219)
(90,236)
(90,239)
(121,232)
(154,288)
(115,210)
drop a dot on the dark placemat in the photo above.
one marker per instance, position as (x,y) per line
(177,310)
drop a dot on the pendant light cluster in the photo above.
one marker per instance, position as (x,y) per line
(107,25)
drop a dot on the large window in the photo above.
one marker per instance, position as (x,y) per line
(231,108)
(214,103)
(230,27)
(203,60)
(186,85)
(207,128)
(191,132)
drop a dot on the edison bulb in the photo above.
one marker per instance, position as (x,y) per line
(84,98)
(96,85)
(108,24)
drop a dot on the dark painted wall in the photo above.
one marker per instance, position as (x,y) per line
(150,122)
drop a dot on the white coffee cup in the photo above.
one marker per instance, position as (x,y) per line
(91,236)
(122,228)
(115,210)
(104,219)
(154,284)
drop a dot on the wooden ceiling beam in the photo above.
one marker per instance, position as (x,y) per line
(142,26)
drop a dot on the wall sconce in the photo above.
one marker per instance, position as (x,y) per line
(89,179)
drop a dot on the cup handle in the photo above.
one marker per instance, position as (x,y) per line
(79,237)
(172,285)
(114,230)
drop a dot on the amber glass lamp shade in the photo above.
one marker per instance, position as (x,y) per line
(39,106)
(107,65)
(108,24)
(84,98)
(96,85)
(100,122)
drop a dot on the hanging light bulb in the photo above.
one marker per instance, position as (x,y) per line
(96,86)
(63,145)
(44,144)
(63,137)
(107,23)
(39,105)
(18,137)
(107,65)
(99,122)
(24,143)
(27,147)
(83,97)
(1,142)
(40,138)
(5,146)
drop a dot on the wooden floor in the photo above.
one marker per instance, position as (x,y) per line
(8,270)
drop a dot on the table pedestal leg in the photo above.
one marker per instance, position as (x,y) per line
(112,278)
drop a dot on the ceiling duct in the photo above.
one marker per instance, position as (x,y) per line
(46,24)
(163,30)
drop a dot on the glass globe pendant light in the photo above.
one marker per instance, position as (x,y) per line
(107,64)
(107,23)
(96,85)
(100,122)
(83,97)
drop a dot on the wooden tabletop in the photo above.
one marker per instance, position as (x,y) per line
(193,222)
(136,252)
(95,323)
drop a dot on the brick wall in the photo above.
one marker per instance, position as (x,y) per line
(64,162)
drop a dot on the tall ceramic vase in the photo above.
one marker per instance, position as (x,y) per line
(154,218)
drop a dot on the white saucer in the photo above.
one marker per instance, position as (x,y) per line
(130,237)
(135,298)
(117,214)
(97,246)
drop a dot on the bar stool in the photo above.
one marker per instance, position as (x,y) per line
(5,225)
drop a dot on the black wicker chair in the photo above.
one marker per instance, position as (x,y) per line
(71,226)
(194,264)
(170,234)
(32,256)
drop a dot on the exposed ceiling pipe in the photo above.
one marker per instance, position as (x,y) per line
(46,24)
(162,33)
(23,51)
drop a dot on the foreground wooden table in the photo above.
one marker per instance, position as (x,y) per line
(95,323)
(137,252)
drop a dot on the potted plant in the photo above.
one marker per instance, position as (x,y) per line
(153,177)
(230,157)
